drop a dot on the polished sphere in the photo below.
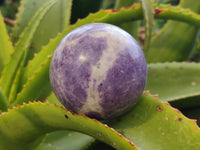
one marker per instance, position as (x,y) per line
(98,70)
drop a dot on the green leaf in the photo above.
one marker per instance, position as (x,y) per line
(5,44)
(154,125)
(130,27)
(53,99)
(16,81)
(147,125)
(3,101)
(38,83)
(55,20)
(195,53)
(148,11)
(165,46)
(65,139)
(22,125)
(175,82)
(21,47)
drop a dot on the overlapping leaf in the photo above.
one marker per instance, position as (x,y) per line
(23,125)
(153,125)
(38,83)
(131,27)
(175,82)
(6,45)
(148,13)
(147,121)
(60,140)
(3,101)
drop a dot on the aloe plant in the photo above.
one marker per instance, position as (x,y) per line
(31,117)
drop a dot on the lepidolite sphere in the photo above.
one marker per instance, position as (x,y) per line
(98,70)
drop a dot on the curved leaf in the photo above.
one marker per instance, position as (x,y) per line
(175,82)
(38,83)
(61,140)
(53,99)
(148,125)
(3,101)
(16,80)
(20,126)
(130,27)
(154,125)
(148,13)
(195,53)
(6,45)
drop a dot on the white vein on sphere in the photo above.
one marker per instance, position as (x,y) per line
(100,70)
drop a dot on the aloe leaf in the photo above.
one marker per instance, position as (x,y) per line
(168,79)
(21,46)
(130,27)
(165,46)
(56,19)
(48,146)
(3,101)
(16,81)
(53,99)
(148,12)
(22,125)
(147,121)
(153,125)
(6,45)
(65,139)
(38,83)
(195,53)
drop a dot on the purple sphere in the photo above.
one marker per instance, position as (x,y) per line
(98,70)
